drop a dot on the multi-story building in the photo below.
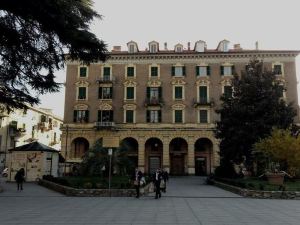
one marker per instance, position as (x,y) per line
(22,127)
(160,103)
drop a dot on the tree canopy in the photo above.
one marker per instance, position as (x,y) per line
(254,108)
(34,37)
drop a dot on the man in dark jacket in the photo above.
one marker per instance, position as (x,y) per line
(19,177)
(157,176)
(137,176)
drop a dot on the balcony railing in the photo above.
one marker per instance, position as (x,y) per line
(203,102)
(104,124)
(105,79)
(153,102)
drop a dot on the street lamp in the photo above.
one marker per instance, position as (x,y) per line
(110,152)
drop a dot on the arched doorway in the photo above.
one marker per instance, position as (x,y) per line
(203,154)
(178,152)
(153,154)
(132,147)
(79,146)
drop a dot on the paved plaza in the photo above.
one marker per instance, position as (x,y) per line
(187,201)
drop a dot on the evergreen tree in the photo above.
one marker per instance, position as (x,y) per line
(34,35)
(249,114)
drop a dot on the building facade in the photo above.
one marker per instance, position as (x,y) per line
(22,127)
(159,103)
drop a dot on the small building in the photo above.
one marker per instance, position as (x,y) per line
(37,159)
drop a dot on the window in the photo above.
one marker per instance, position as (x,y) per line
(178,49)
(178,93)
(82,93)
(277,69)
(82,71)
(153,48)
(153,116)
(178,116)
(129,116)
(153,92)
(154,71)
(130,71)
(106,73)
(178,70)
(105,92)
(131,48)
(203,94)
(228,91)
(203,116)
(129,92)
(202,70)
(81,116)
(227,70)
(105,116)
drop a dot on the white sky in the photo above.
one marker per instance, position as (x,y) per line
(274,24)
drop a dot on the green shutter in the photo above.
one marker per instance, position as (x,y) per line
(75,116)
(173,70)
(148,116)
(208,70)
(111,116)
(154,71)
(222,70)
(197,71)
(148,93)
(178,92)
(203,94)
(82,71)
(178,116)
(87,116)
(111,92)
(129,116)
(106,71)
(159,92)
(99,115)
(130,93)
(81,93)
(130,71)
(159,116)
(100,93)
(203,116)
(183,71)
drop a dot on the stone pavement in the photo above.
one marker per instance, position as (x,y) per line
(187,201)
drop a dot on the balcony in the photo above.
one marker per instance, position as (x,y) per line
(104,125)
(203,102)
(105,79)
(153,102)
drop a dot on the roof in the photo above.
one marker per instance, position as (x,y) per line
(34,146)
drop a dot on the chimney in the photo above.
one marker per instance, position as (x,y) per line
(256,45)
(189,45)
(166,46)
(237,47)
(116,49)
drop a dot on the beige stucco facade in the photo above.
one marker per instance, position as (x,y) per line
(153,128)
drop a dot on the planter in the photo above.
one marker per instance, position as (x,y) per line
(275,178)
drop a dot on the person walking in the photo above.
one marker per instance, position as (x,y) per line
(157,179)
(165,176)
(19,177)
(137,176)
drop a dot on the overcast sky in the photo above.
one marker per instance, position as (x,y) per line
(274,24)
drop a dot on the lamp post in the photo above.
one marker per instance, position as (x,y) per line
(110,151)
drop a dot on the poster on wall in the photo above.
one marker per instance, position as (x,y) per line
(34,165)
(18,161)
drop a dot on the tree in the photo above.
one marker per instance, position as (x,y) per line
(250,113)
(282,148)
(34,35)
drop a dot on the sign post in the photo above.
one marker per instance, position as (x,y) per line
(110,152)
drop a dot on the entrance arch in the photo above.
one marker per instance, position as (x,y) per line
(153,154)
(178,156)
(203,154)
(79,147)
(131,146)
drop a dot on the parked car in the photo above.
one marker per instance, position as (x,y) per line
(5,172)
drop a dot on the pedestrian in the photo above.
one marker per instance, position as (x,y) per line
(157,179)
(20,178)
(165,176)
(136,177)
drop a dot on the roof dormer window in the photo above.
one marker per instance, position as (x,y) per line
(223,46)
(132,47)
(153,46)
(200,46)
(178,48)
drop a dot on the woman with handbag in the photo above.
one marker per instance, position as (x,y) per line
(137,181)
(20,178)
